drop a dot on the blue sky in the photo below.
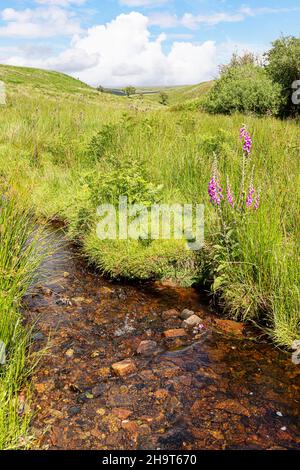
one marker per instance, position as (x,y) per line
(140,42)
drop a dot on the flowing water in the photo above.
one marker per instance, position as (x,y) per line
(214,389)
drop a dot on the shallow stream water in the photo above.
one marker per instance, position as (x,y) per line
(216,389)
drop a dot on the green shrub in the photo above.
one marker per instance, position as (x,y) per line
(105,140)
(245,89)
(283,66)
(126,179)
(215,144)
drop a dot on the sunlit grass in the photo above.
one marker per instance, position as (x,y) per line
(21,253)
(43,149)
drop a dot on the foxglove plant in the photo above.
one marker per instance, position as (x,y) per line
(232,217)
(245,136)
(229,194)
(249,200)
(257,201)
(214,187)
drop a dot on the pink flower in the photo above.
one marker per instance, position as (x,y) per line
(215,191)
(256,203)
(244,134)
(249,200)
(229,194)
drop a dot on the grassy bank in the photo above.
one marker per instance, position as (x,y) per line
(19,261)
(65,150)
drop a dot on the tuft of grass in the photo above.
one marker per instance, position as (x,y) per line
(20,258)
(134,259)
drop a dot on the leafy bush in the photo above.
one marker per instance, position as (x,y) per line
(245,89)
(283,66)
(127,179)
(103,141)
(129,90)
(215,144)
(163,98)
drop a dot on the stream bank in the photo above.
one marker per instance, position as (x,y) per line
(211,389)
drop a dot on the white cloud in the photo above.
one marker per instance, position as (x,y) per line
(61,3)
(142,3)
(38,23)
(191,21)
(123,52)
(164,20)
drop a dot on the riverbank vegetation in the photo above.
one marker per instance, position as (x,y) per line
(20,259)
(64,151)
(65,148)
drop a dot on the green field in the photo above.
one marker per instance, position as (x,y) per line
(177,95)
(64,147)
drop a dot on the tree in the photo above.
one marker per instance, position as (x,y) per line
(248,58)
(129,90)
(101,89)
(163,98)
(283,66)
(244,86)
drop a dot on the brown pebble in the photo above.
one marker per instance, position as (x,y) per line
(147,347)
(121,413)
(172,313)
(175,333)
(124,367)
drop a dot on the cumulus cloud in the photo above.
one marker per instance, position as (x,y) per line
(38,23)
(123,52)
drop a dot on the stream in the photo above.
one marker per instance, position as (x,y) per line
(216,388)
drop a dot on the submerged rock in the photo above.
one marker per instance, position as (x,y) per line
(230,326)
(186,313)
(74,410)
(175,333)
(147,347)
(172,313)
(98,390)
(123,368)
(191,321)
(121,413)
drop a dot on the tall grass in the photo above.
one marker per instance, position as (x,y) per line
(44,153)
(20,258)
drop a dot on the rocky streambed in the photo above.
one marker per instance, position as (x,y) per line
(150,367)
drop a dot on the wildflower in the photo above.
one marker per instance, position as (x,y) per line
(229,194)
(244,134)
(198,328)
(214,187)
(215,191)
(249,200)
(257,201)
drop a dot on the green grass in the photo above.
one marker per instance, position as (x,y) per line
(20,258)
(45,155)
(41,80)
(179,96)
(48,162)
